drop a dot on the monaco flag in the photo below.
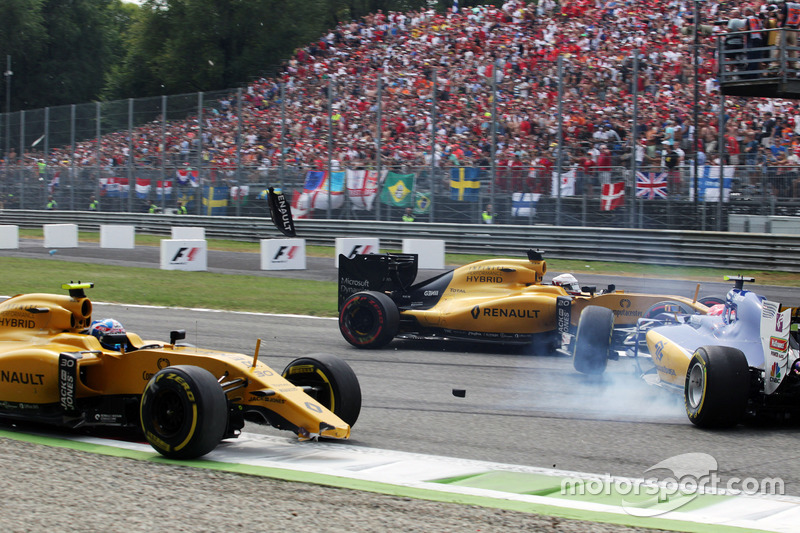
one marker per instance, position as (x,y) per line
(613,196)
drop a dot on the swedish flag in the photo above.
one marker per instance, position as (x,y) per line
(215,200)
(464,184)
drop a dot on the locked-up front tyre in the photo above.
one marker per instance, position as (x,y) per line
(184,412)
(329,380)
(593,340)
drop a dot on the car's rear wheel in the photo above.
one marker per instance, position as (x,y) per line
(717,386)
(184,412)
(711,301)
(667,310)
(369,319)
(593,340)
(330,381)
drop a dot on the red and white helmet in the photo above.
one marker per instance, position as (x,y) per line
(568,282)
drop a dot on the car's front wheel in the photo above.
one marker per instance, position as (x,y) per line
(369,319)
(717,386)
(184,412)
(329,380)
(593,340)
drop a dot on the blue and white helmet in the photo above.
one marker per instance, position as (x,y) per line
(107,326)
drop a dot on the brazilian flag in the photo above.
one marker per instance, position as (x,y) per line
(398,190)
(422,203)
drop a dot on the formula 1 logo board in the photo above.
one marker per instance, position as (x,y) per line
(283,254)
(190,254)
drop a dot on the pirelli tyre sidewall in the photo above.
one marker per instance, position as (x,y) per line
(593,340)
(369,319)
(332,383)
(717,387)
(184,412)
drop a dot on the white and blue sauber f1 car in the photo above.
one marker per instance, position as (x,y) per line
(740,360)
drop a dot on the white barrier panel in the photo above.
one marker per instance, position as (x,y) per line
(188,232)
(283,254)
(9,237)
(355,246)
(60,235)
(430,252)
(782,224)
(187,254)
(117,236)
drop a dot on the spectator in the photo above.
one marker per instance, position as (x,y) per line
(673,163)
(736,24)
(754,40)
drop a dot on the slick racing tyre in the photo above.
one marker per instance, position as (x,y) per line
(711,301)
(369,319)
(667,310)
(330,381)
(184,412)
(717,387)
(593,340)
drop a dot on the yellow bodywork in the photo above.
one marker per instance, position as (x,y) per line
(671,361)
(36,328)
(507,296)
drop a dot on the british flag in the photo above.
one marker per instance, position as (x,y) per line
(651,185)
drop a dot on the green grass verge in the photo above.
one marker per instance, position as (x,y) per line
(136,285)
(271,295)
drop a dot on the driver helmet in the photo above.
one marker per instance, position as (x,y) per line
(568,282)
(107,326)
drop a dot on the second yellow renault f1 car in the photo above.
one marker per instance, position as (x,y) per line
(58,367)
(498,300)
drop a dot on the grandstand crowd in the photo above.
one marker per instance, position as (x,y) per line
(458,60)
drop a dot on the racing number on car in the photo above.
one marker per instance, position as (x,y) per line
(67,380)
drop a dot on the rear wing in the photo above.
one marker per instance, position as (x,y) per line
(375,272)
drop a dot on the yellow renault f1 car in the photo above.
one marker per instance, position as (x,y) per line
(498,300)
(184,400)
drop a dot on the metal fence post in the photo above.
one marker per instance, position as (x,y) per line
(71,179)
(164,156)
(200,176)
(131,177)
(239,135)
